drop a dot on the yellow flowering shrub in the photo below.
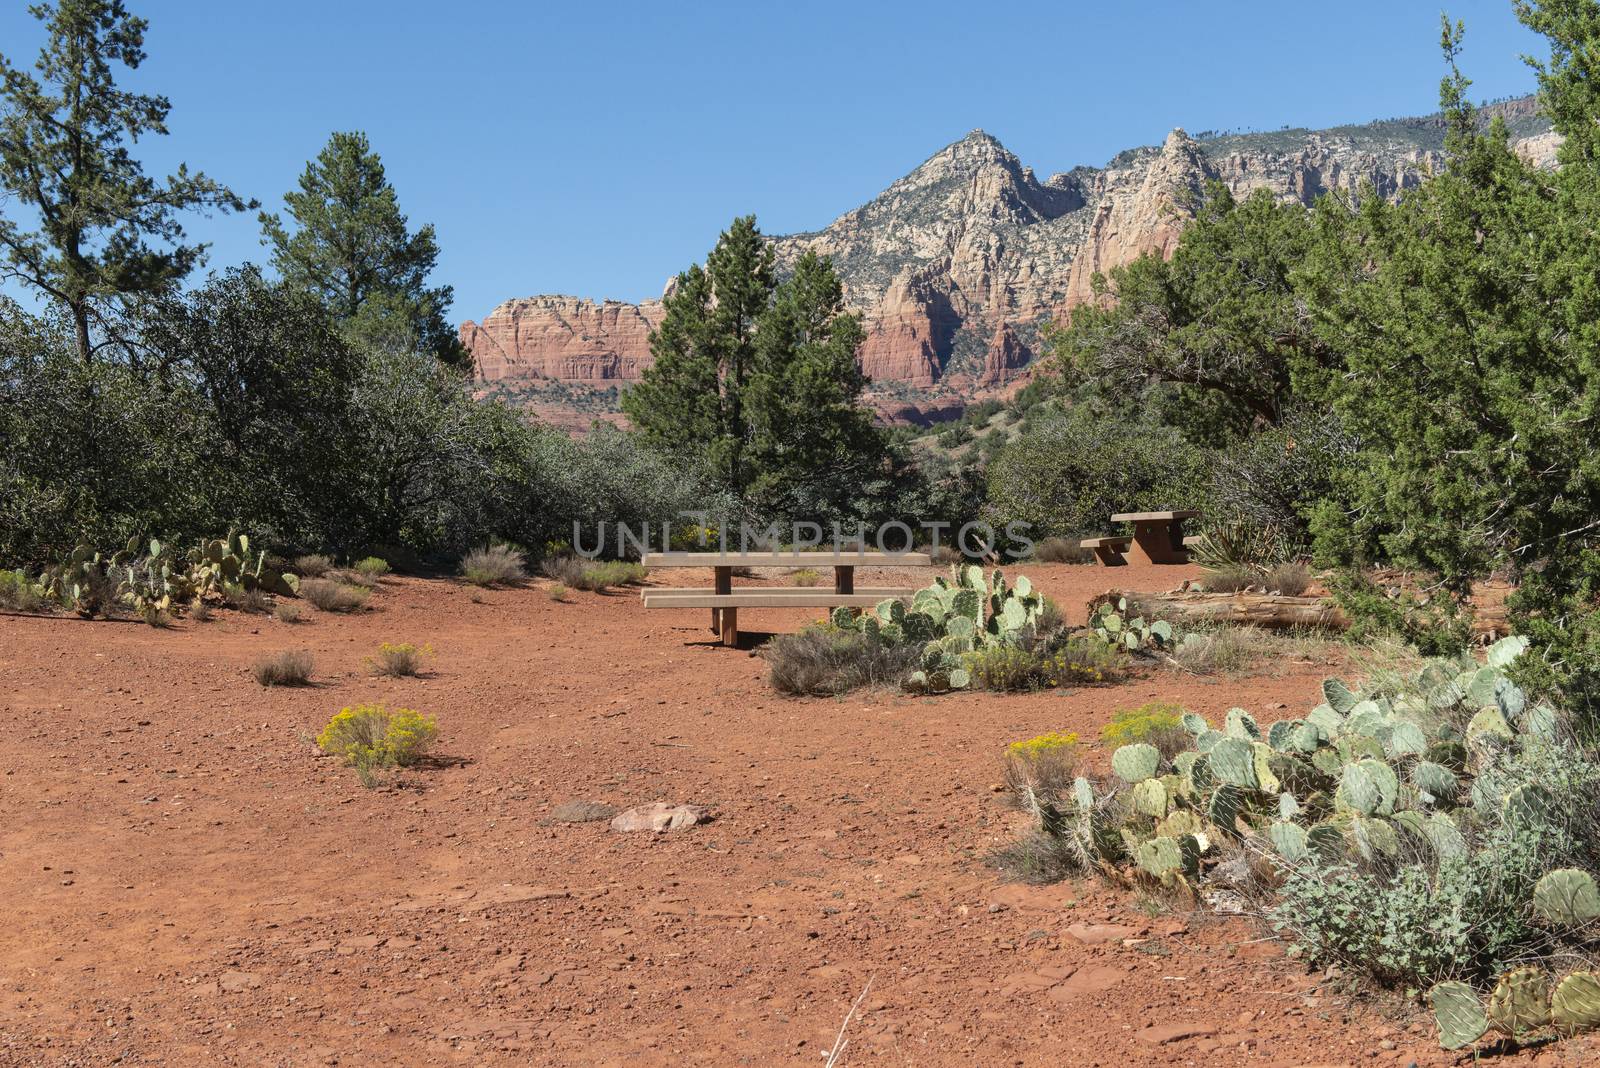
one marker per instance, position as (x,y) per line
(1159,723)
(369,737)
(1041,768)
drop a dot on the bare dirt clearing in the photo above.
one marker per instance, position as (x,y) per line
(189,882)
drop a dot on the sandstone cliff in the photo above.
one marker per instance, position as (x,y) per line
(954,266)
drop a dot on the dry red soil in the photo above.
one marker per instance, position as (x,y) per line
(186,881)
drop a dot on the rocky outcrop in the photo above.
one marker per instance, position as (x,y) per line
(567,339)
(954,266)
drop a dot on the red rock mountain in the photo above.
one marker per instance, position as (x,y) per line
(954,266)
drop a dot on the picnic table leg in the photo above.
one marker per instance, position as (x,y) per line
(1179,553)
(723,583)
(844,578)
(1152,542)
(730,627)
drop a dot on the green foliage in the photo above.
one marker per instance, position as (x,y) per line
(349,246)
(1111,623)
(1071,471)
(106,230)
(372,567)
(1220,315)
(755,381)
(1044,665)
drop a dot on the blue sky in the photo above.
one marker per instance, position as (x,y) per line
(598,149)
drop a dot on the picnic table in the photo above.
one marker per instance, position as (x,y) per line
(725,601)
(1157,538)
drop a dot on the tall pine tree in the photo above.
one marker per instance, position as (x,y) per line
(350,246)
(755,381)
(64,137)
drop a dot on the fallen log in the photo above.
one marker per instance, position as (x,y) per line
(1269,611)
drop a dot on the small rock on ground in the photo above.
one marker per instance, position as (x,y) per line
(659,817)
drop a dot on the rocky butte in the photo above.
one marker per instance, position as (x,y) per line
(954,266)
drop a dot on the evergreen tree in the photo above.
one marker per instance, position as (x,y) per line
(350,246)
(64,138)
(1219,319)
(756,382)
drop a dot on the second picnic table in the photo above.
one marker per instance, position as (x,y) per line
(1157,538)
(725,602)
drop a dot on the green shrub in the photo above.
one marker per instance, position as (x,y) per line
(246,598)
(557,592)
(329,596)
(1073,470)
(1158,723)
(370,737)
(291,667)
(287,612)
(20,594)
(826,660)
(371,567)
(495,565)
(1079,660)
(594,575)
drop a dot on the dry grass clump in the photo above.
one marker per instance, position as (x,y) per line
(1290,580)
(1062,551)
(329,596)
(558,592)
(399,660)
(1230,580)
(826,661)
(238,597)
(288,612)
(201,612)
(313,565)
(1014,668)
(805,576)
(496,565)
(1036,858)
(1041,768)
(292,667)
(1225,650)
(594,575)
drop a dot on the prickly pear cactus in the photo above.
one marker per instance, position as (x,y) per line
(1136,762)
(1459,1014)
(1566,897)
(1575,1004)
(1520,1001)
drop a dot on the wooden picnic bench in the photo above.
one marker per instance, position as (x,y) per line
(725,601)
(1157,539)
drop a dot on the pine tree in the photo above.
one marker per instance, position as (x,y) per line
(756,382)
(350,246)
(64,139)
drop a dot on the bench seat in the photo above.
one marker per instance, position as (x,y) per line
(798,597)
(1108,550)
(1192,539)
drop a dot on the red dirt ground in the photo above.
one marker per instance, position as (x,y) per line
(187,882)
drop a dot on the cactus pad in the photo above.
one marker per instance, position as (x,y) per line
(1520,1001)
(1241,724)
(1575,1005)
(1289,839)
(1234,761)
(1136,762)
(1566,897)
(1150,798)
(1339,696)
(1459,1014)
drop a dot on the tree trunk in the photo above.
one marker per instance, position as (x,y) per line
(1269,611)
